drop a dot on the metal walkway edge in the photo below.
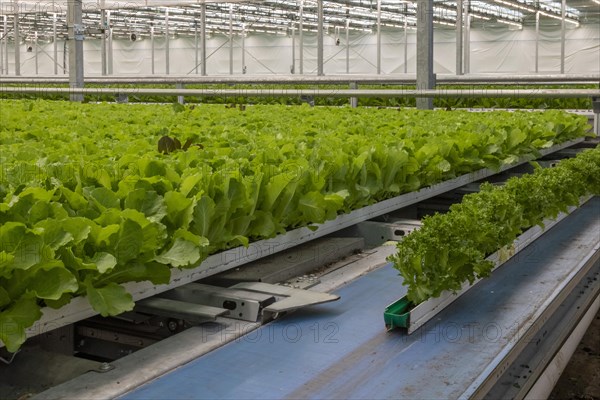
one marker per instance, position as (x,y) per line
(341,350)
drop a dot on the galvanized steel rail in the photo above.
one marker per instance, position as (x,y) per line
(339,93)
(518,79)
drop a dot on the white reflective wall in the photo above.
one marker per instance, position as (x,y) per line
(492,51)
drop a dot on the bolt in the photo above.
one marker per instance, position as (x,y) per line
(104,367)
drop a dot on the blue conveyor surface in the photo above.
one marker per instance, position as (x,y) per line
(341,350)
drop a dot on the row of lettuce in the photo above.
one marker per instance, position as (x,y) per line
(516,102)
(88,202)
(451,248)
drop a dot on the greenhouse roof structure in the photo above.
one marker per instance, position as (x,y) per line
(142,18)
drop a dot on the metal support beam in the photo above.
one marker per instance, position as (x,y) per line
(4,46)
(459,37)
(378,37)
(37,51)
(405,40)
(353,100)
(203,38)
(347,46)
(562,36)
(243,38)
(537,41)
(196,59)
(596,109)
(231,39)
(55,43)
(2,53)
(301,37)
(425,76)
(293,67)
(75,38)
(336,93)
(152,49)
(167,56)
(320,37)
(17,45)
(109,57)
(103,40)
(467,45)
(180,98)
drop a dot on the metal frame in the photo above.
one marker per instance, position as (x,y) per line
(339,93)
(307,79)
(79,308)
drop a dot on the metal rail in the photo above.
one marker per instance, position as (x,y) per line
(312,79)
(339,93)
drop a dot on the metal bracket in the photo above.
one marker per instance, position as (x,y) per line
(78,31)
(376,233)
(241,304)
(191,312)
(249,301)
(290,298)
(104,367)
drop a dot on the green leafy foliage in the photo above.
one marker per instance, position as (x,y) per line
(88,202)
(450,248)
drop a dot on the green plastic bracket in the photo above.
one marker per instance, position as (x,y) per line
(397,314)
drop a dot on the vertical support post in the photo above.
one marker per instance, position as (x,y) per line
(596,109)
(467,45)
(5,26)
(353,100)
(320,37)
(537,41)
(35,45)
(459,37)
(563,7)
(293,67)
(203,38)
(2,51)
(152,49)
(180,99)
(103,40)
(55,43)
(17,44)
(301,37)
(243,49)
(196,47)
(425,76)
(109,57)
(65,56)
(405,39)
(378,37)
(167,39)
(75,38)
(347,46)
(231,39)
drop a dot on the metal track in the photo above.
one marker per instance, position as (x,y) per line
(337,93)
(508,79)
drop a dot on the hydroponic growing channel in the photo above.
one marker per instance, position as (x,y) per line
(98,195)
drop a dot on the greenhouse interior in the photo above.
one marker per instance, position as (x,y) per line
(300,199)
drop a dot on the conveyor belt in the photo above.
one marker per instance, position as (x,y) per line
(341,350)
